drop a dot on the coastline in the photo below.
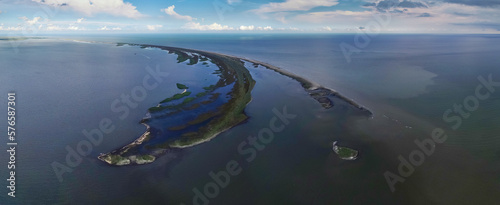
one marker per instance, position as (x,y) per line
(210,123)
(232,113)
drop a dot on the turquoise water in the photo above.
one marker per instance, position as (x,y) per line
(407,81)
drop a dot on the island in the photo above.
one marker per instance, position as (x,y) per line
(344,152)
(192,116)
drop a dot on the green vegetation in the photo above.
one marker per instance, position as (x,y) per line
(211,87)
(193,60)
(232,73)
(232,113)
(113,159)
(146,157)
(156,109)
(181,86)
(181,56)
(344,152)
(176,97)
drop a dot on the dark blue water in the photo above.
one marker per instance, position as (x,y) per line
(408,82)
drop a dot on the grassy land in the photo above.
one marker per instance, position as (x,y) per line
(182,86)
(176,97)
(232,112)
(347,153)
(233,73)
(146,157)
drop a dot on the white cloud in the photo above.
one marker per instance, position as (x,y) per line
(17,28)
(32,21)
(211,27)
(170,11)
(247,28)
(253,28)
(74,28)
(113,7)
(327,28)
(106,28)
(80,20)
(442,18)
(294,5)
(153,27)
(289,29)
(267,28)
(51,27)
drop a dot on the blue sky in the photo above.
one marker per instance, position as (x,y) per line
(325,16)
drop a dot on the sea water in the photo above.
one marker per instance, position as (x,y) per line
(65,88)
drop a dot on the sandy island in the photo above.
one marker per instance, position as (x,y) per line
(232,73)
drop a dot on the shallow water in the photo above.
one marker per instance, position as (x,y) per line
(408,82)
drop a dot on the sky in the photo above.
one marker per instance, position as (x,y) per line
(288,16)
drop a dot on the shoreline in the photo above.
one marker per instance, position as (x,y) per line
(306,84)
(225,116)
(232,113)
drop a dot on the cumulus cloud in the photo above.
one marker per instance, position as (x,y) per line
(31,21)
(247,28)
(267,28)
(80,20)
(289,29)
(87,7)
(51,27)
(106,28)
(74,28)
(211,27)
(294,5)
(154,27)
(170,11)
(327,28)
(10,28)
(253,28)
